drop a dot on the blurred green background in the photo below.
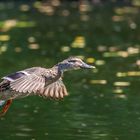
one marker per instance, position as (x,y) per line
(104,103)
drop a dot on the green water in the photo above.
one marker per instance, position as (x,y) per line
(104,104)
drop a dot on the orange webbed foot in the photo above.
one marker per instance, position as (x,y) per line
(5,107)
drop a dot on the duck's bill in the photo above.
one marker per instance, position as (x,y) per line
(86,66)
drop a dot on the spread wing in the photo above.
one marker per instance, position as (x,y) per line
(55,90)
(28,84)
(36,84)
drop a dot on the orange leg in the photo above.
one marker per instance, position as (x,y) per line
(6,107)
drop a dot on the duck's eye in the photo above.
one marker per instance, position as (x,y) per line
(72,61)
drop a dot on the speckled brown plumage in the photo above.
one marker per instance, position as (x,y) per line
(38,81)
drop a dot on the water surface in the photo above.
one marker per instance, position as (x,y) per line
(104,104)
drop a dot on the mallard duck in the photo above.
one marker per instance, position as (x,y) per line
(37,81)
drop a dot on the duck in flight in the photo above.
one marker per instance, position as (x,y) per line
(37,81)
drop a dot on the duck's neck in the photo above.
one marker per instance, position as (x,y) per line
(58,70)
(62,67)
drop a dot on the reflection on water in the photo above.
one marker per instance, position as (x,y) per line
(104,102)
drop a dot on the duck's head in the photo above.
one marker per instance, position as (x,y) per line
(73,63)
